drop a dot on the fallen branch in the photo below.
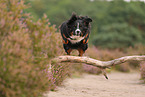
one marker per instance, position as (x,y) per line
(97,63)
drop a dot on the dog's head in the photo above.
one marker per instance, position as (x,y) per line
(78,25)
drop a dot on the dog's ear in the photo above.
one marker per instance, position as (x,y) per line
(87,21)
(72,19)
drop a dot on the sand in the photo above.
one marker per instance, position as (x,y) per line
(118,85)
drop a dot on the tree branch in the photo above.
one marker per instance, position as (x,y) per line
(97,63)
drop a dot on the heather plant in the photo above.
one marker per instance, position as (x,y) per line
(26,48)
(142,69)
(138,50)
(91,69)
(56,75)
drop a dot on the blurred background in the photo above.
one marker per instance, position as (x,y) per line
(30,38)
(115,22)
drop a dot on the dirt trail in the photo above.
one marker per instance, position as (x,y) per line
(118,85)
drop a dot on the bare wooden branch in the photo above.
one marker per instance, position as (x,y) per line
(97,63)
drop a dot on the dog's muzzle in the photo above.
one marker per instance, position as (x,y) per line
(77,32)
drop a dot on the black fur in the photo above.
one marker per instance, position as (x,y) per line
(68,28)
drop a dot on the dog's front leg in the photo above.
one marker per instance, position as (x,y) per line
(81,52)
(67,49)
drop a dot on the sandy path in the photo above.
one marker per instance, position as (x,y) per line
(118,85)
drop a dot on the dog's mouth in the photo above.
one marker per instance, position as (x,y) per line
(74,37)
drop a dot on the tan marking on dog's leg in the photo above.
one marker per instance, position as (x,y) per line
(81,52)
(69,51)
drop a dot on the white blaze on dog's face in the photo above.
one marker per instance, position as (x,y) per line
(78,31)
(78,27)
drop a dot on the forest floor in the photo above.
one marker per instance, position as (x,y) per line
(118,85)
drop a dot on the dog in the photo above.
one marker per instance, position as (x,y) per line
(75,33)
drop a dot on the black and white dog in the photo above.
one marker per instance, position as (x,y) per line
(75,33)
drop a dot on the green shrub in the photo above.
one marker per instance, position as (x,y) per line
(112,35)
(26,48)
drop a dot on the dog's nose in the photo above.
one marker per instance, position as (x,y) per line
(77,32)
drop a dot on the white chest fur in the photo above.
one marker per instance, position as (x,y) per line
(75,39)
